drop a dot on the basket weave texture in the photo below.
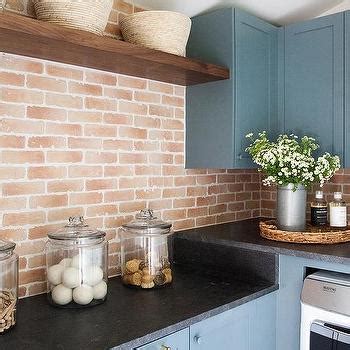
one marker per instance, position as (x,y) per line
(269,230)
(160,30)
(87,15)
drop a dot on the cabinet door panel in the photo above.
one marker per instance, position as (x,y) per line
(347,91)
(175,341)
(256,81)
(314,76)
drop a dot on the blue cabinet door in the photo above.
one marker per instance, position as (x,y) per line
(347,91)
(314,81)
(175,341)
(250,326)
(220,114)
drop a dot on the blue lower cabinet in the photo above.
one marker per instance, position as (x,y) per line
(250,326)
(175,341)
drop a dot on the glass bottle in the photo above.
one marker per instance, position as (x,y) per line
(319,210)
(337,211)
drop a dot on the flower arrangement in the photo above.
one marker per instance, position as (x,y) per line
(289,160)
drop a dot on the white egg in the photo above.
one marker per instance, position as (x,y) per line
(100,290)
(92,275)
(71,277)
(61,295)
(83,295)
(54,274)
(66,262)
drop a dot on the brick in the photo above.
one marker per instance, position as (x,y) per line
(131,207)
(174,214)
(173,124)
(161,87)
(148,194)
(227,178)
(101,78)
(45,83)
(184,202)
(179,113)
(64,156)
(174,147)
(160,135)
(132,158)
(174,192)
(227,217)
(7,78)
(161,111)
(206,221)
(21,188)
(36,261)
(31,276)
(161,158)
(195,212)
(21,96)
(146,146)
(64,214)
(132,108)
(216,189)
(114,118)
(30,247)
(243,196)
(159,204)
(119,170)
(23,218)
(84,142)
(100,184)
(100,157)
(185,180)
(85,116)
(117,145)
(48,201)
(133,133)
(161,181)
(226,198)
(46,142)
(65,186)
(65,101)
(197,191)
(102,210)
(119,94)
(9,141)
(173,101)
(12,110)
(10,203)
(205,201)
(47,113)
(84,89)
(179,91)
(173,170)
(133,83)
(20,64)
(206,179)
(21,126)
(64,72)
(22,157)
(46,172)
(100,131)
(241,215)
(183,224)
(42,231)
(147,97)
(148,170)
(85,198)
(85,171)
(119,196)
(101,104)
(136,182)
(147,122)
(217,209)
(63,129)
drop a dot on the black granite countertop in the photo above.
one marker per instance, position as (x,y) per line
(245,234)
(129,318)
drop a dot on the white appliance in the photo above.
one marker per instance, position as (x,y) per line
(325,312)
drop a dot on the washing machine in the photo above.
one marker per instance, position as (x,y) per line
(325,312)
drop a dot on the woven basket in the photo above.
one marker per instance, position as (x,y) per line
(160,30)
(88,15)
(327,235)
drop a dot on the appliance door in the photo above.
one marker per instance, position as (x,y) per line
(325,336)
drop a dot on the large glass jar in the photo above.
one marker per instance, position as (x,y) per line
(77,265)
(8,285)
(144,252)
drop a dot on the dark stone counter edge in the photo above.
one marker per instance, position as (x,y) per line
(190,321)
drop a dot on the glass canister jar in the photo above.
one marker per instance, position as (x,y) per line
(144,252)
(8,285)
(77,265)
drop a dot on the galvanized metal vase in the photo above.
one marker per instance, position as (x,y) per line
(291,207)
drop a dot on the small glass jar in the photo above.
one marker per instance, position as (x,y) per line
(144,252)
(77,265)
(8,285)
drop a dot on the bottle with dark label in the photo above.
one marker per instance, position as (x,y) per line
(319,210)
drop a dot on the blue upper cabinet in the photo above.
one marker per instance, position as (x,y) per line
(220,114)
(313,91)
(347,91)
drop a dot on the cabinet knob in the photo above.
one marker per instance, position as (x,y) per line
(165,347)
(197,339)
(240,156)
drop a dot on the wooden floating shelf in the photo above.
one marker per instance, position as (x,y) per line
(29,37)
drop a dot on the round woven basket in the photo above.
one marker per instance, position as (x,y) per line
(160,30)
(312,235)
(88,15)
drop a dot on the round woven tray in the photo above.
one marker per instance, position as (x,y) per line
(314,235)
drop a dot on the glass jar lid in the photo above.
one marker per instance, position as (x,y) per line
(76,230)
(146,223)
(6,246)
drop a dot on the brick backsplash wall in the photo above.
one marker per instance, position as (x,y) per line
(77,141)
(339,183)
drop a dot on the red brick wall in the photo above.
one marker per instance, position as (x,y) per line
(75,141)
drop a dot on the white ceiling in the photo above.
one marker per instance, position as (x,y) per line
(274,11)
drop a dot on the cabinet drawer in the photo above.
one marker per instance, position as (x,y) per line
(175,341)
